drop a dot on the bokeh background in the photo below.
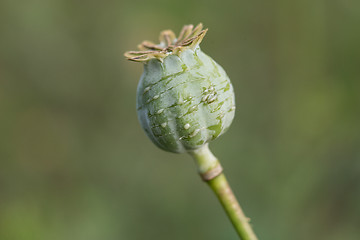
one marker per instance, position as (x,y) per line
(75,164)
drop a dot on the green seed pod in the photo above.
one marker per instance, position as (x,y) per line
(184,98)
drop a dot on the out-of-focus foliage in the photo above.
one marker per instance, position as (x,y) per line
(75,164)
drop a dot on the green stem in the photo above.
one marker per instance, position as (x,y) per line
(210,170)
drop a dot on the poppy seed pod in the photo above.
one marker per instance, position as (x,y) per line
(184,98)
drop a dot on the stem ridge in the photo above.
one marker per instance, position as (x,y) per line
(212,173)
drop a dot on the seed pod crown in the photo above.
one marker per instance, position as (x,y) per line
(184,98)
(189,37)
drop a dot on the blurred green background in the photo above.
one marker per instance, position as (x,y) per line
(75,164)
